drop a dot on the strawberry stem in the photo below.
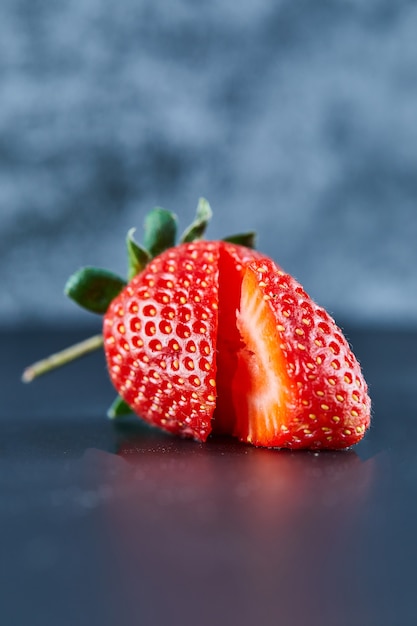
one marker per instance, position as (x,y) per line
(62,358)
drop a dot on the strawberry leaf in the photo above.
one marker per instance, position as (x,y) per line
(94,288)
(119,408)
(137,256)
(160,231)
(243,239)
(197,229)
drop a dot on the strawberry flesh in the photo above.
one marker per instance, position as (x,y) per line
(232,260)
(261,388)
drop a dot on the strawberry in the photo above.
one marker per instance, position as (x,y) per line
(211,336)
(211,329)
(297,383)
(160,340)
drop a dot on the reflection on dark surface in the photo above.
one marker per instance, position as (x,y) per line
(120,524)
(203,529)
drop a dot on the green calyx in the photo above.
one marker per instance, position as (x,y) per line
(243,239)
(94,289)
(198,227)
(137,256)
(160,231)
(118,408)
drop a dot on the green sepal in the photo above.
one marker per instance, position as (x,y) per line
(243,239)
(119,408)
(197,229)
(137,257)
(94,288)
(160,231)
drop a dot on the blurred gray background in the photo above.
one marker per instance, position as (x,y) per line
(296,118)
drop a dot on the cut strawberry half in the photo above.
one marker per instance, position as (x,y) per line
(286,374)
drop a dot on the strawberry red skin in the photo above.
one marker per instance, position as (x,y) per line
(159,338)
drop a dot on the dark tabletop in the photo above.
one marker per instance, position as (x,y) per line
(116,524)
